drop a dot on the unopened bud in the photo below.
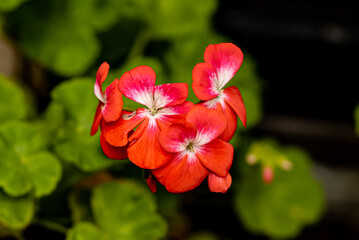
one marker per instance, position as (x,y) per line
(286,165)
(251,159)
(267,174)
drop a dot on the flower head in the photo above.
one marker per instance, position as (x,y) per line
(197,150)
(164,105)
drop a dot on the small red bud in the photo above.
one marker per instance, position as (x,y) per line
(268,174)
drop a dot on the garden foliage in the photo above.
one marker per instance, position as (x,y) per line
(53,174)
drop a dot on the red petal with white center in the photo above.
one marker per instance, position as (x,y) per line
(182,174)
(117,133)
(146,152)
(100,78)
(113,107)
(210,123)
(225,58)
(97,119)
(138,85)
(219,184)
(231,123)
(205,80)
(216,156)
(173,115)
(177,136)
(170,94)
(234,99)
(119,153)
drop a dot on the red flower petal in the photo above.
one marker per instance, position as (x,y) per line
(100,78)
(231,123)
(97,119)
(110,151)
(152,183)
(234,98)
(217,156)
(113,107)
(219,184)
(175,138)
(116,133)
(182,174)
(210,123)
(170,94)
(138,85)
(225,58)
(204,81)
(173,115)
(146,152)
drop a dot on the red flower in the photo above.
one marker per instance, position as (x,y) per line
(110,102)
(222,62)
(165,105)
(197,152)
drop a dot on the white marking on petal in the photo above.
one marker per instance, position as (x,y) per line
(212,104)
(224,74)
(129,116)
(160,98)
(98,92)
(144,96)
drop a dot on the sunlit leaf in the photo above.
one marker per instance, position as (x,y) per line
(282,208)
(85,231)
(10,5)
(77,104)
(25,164)
(16,213)
(13,104)
(126,210)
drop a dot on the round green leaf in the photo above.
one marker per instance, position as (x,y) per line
(16,213)
(13,104)
(125,210)
(85,231)
(280,209)
(9,5)
(24,162)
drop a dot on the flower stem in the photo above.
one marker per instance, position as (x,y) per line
(51,225)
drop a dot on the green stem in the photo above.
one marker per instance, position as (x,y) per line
(140,43)
(51,225)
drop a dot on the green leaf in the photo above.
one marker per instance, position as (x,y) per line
(101,14)
(77,104)
(172,19)
(85,231)
(25,164)
(122,210)
(53,39)
(281,209)
(16,213)
(13,104)
(10,5)
(125,210)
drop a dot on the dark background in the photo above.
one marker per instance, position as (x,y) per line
(306,54)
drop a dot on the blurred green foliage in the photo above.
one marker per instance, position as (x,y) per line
(283,207)
(356,119)
(131,215)
(48,156)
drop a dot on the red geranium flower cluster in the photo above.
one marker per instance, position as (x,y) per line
(178,143)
